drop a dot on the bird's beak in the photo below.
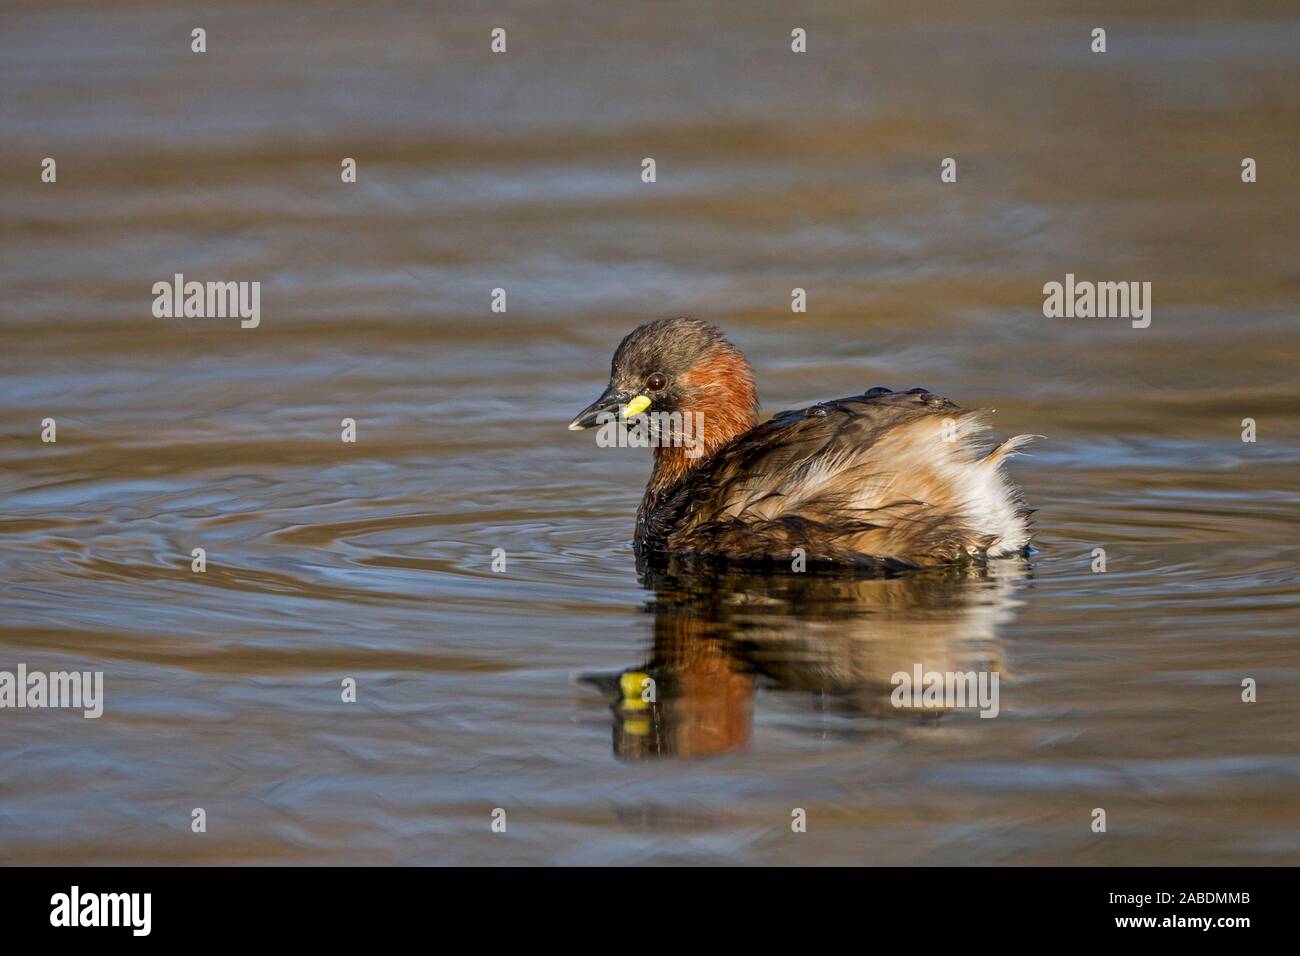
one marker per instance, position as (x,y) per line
(611,402)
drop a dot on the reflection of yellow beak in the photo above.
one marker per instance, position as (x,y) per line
(636,406)
(632,683)
(637,727)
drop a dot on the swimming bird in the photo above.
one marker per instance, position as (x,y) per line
(886,480)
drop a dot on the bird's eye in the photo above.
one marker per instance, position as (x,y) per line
(656,381)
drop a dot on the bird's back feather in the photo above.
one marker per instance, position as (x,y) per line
(899,479)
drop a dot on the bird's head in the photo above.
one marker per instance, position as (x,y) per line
(681,366)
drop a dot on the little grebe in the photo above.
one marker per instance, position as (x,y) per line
(884,479)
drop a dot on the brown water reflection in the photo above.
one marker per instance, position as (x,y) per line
(838,639)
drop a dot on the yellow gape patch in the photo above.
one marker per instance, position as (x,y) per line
(636,406)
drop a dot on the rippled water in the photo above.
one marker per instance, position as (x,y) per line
(480,690)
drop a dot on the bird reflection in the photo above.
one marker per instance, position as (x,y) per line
(835,638)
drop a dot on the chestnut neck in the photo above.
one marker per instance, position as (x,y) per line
(721,386)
